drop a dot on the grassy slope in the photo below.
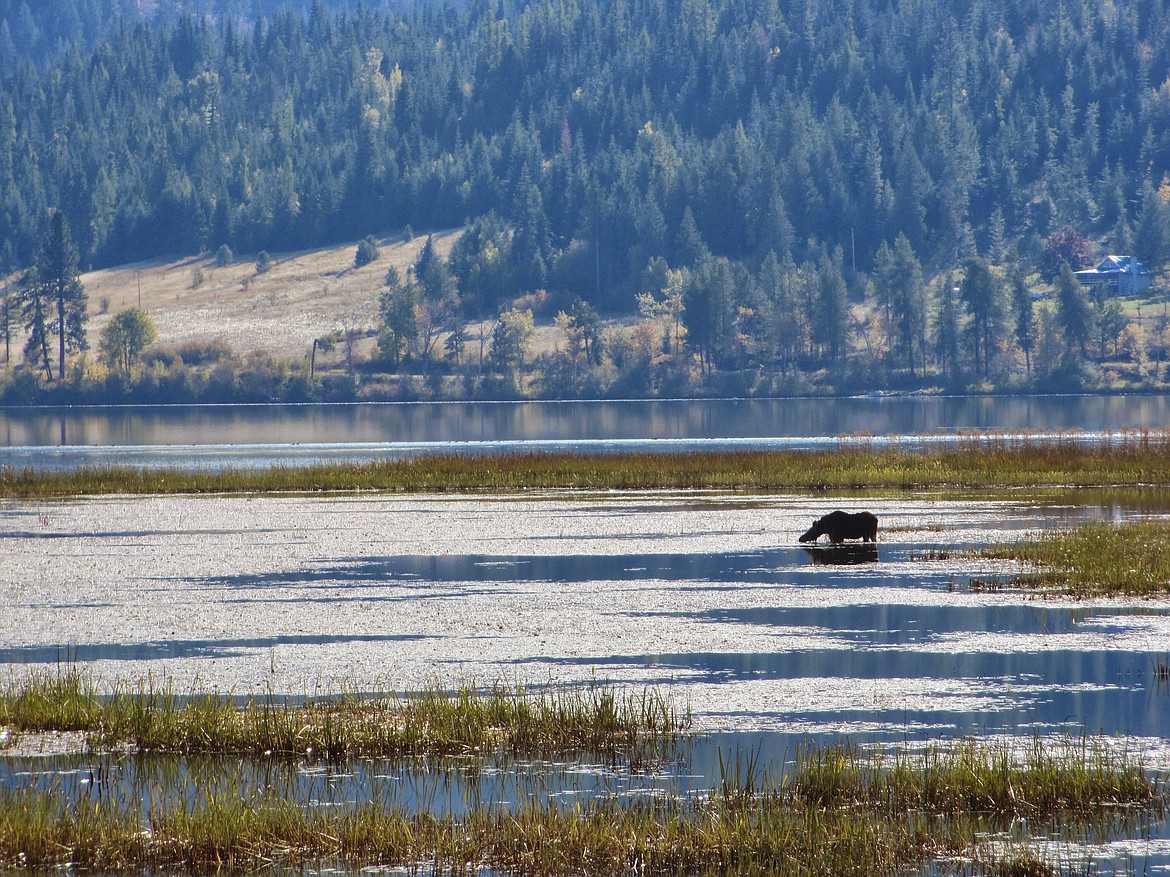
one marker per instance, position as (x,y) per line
(303,296)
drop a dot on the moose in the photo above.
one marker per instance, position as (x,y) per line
(840,526)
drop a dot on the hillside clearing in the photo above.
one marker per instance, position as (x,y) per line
(304,295)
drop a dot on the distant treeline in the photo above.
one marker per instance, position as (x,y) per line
(785,126)
(801,142)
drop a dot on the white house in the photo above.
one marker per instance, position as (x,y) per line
(1121,275)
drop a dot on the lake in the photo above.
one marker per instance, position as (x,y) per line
(261,435)
(705,596)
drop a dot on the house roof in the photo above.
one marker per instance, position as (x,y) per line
(1115,265)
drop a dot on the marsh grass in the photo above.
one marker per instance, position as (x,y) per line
(984,462)
(1131,559)
(641,727)
(837,811)
(1073,775)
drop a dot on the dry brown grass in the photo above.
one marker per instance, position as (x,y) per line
(303,296)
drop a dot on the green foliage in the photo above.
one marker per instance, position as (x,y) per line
(835,811)
(124,338)
(981,293)
(396,309)
(367,252)
(34,312)
(512,338)
(53,300)
(900,290)
(331,124)
(592,145)
(429,723)
(1131,559)
(1074,311)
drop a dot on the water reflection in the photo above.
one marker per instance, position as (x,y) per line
(213,436)
(842,555)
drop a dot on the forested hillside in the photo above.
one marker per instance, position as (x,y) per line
(760,158)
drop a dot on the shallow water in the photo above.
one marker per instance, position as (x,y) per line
(706,596)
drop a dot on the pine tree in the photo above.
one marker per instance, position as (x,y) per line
(396,309)
(34,311)
(946,332)
(981,294)
(1025,317)
(832,327)
(1074,311)
(57,289)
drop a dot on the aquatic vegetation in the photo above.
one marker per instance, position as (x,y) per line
(637,726)
(981,462)
(1068,776)
(836,810)
(1129,559)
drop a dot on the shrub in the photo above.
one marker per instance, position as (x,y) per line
(205,352)
(367,252)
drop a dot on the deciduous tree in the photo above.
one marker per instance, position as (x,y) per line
(124,338)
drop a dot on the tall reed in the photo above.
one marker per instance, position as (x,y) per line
(839,811)
(1128,559)
(1133,459)
(1068,776)
(636,725)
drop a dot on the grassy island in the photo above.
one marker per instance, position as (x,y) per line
(430,723)
(1098,559)
(1140,460)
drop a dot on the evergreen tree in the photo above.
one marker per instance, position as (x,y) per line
(831,324)
(59,278)
(899,286)
(1022,306)
(1074,312)
(434,279)
(709,302)
(947,332)
(981,293)
(367,251)
(531,244)
(1152,236)
(690,249)
(479,263)
(35,307)
(396,310)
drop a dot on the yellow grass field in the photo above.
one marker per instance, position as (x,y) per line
(302,296)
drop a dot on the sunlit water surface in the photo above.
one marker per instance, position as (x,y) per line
(940,666)
(999,670)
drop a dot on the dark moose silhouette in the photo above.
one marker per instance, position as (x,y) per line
(839,526)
